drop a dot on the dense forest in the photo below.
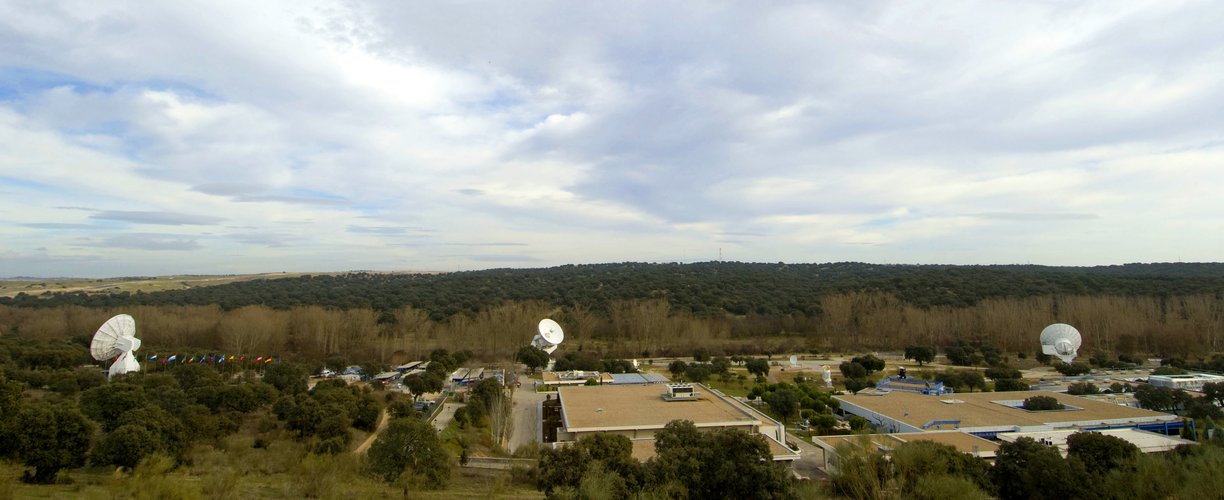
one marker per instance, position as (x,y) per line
(703,289)
(635,310)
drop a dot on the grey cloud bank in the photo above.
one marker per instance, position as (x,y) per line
(331,135)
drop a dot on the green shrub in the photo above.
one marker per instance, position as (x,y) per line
(1042,403)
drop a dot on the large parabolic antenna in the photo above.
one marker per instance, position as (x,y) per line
(1062,340)
(549,336)
(117,339)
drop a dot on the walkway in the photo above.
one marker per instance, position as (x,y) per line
(383,418)
(446,415)
(526,416)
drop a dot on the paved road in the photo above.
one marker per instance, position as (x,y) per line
(526,415)
(446,415)
(811,458)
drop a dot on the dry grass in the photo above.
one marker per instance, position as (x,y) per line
(9,288)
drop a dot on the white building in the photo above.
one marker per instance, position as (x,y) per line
(1189,382)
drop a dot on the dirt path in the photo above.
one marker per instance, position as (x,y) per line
(365,445)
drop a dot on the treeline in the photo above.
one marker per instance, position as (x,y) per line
(709,289)
(1188,327)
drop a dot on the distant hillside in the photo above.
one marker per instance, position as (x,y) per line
(705,289)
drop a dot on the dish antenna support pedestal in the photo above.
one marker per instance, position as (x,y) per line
(1061,340)
(117,339)
(549,335)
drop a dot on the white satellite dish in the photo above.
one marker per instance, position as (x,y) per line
(551,331)
(117,339)
(1062,340)
(549,336)
(794,360)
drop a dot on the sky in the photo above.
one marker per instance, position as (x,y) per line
(219,137)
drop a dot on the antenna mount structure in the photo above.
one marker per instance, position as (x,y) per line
(116,339)
(1061,340)
(548,337)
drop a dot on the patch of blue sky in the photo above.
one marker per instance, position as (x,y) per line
(882,222)
(115,128)
(178,88)
(28,185)
(374,209)
(501,99)
(19,81)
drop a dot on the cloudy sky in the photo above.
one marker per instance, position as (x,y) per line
(231,137)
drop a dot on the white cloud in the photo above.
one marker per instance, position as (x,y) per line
(329,135)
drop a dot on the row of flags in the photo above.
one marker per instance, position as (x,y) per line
(215,359)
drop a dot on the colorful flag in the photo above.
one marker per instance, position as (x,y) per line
(268,360)
(153,357)
(259,359)
(231,358)
(174,357)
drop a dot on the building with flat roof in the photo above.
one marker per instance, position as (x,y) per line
(638,378)
(913,385)
(574,377)
(637,411)
(986,414)
(1147,442)
(1188,382)
(884,443)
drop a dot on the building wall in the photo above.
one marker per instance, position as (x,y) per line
(881,422)
(1194,383)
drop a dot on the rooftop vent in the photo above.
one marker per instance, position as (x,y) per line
(680,392)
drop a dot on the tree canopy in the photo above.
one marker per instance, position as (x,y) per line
(533,357)
(703,288)
(409,449)
(51,437)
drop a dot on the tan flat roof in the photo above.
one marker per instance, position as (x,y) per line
(643,449)
(619,407)
(978,409)
(962,441)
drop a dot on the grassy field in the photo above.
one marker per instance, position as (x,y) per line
(9,288)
